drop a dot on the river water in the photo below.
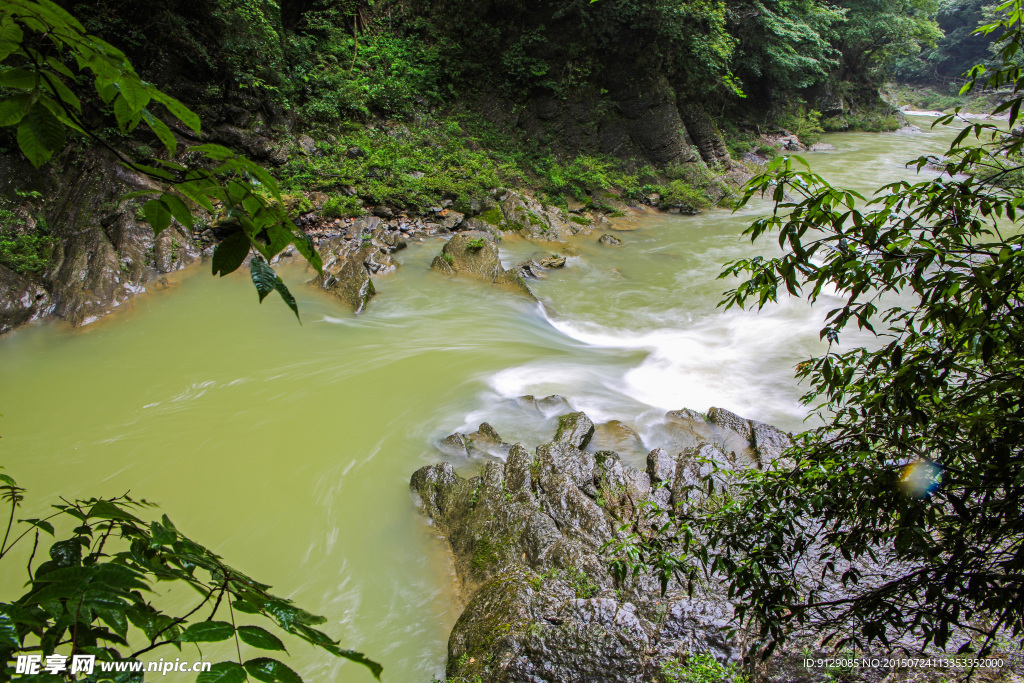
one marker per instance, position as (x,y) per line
(288,448)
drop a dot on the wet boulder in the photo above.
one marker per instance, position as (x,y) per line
(348,265)
(609,240)
(475,254)
(575,429)
(553,261)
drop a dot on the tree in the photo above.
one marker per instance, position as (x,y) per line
(878,32)
(45,53)
(94,596)
(907,498)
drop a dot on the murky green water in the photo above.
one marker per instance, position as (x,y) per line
(288,448)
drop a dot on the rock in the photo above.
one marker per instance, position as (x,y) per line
(307,145)
(451,219)
(792,143)
(574,429)
(553,261)
(731,421)
(660,465)
(617,436)
(348,266)
(355,152)
(476,255)
(527,539)
(21,300)
(529,269)
(770,443)
(609,240)
(483,443)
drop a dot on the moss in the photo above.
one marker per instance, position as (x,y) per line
(493,217)
(485,553)
(580,220)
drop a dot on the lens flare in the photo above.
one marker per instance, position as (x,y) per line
(919,479)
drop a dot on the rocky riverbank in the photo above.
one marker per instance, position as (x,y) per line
(552,551)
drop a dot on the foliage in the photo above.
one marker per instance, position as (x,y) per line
(24,248)
(342,206)
(654,543)
(784,45)
(475,244)
(907,495)
(338,76)
(94,595)
(959,48)
(803,123)
(879,32)
(700,668)
(41,49)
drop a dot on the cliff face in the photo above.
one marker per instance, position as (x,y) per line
(102,255)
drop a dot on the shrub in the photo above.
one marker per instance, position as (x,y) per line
(701,668)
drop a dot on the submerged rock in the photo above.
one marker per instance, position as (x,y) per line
(610,240)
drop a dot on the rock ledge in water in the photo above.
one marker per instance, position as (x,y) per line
(526,536)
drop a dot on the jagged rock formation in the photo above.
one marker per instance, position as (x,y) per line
(527,538)
(350,260)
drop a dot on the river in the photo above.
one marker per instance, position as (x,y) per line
(288,448)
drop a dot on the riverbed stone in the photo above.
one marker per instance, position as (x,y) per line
(575,429)
(474,254)
(348,264)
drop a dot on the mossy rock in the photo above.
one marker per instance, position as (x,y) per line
(475,254)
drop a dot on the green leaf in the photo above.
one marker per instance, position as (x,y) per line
(104,509)
(212,151)
(133,92)
(179,110)
(11,36)
(259,637)
(157,215)
(20,79)
(271,671)
(57,87)
(223,672)
(304,245)
(8,629)
(230,254)
(178,209)
(126,118)
(39,524)
(160,534)
(207,632)
(266,281)
(162,131)
(40,134)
